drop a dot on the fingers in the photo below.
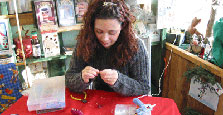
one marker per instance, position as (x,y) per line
(109,76)
(89,73)
(104,73)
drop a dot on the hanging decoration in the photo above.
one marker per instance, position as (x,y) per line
(203,87)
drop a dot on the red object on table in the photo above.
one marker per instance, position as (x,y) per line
(98,103)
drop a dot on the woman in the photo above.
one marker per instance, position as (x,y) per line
(108,54)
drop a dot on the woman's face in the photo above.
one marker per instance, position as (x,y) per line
(107,31)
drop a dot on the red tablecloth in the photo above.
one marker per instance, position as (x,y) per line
(98,103)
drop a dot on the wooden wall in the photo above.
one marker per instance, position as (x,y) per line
(175,85)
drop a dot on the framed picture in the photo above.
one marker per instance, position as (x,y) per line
(66,12)
(46,16)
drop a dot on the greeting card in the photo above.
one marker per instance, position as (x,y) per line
(46,16)
(50,44)
(66,12)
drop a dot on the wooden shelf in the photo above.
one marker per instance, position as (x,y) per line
(24,19)
(19,64)
(69,28)
(196,60)
(6,16)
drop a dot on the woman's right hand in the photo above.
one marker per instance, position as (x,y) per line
(89,73)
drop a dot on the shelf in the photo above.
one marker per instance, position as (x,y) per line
(29,19)
(6,16)
(19,64)
(69,28)
(28,61)
(155,43)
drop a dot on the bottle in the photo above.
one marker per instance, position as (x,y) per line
(36,48)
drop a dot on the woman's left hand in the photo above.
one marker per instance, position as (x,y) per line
(109,76)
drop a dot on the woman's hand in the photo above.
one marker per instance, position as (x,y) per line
(89,73)
(109,76)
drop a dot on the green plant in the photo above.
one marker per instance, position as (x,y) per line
(189,111)
(201,75)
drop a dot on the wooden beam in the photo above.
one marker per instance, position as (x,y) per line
(70,28)
(7,16)
(196,60)
(19,64)
(24,19)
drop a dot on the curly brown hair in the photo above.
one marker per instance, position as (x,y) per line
(126,45)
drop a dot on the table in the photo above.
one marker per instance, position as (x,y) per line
(98,102)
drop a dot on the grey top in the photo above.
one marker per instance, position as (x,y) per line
(133,77)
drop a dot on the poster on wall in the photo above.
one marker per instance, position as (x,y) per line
(207,94)
(187,10)
(166,13)
(66,12)
(180,13)
(46,16)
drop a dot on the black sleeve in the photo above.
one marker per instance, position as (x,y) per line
(73,79)
(137,83)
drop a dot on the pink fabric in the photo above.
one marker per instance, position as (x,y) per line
(98,103)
